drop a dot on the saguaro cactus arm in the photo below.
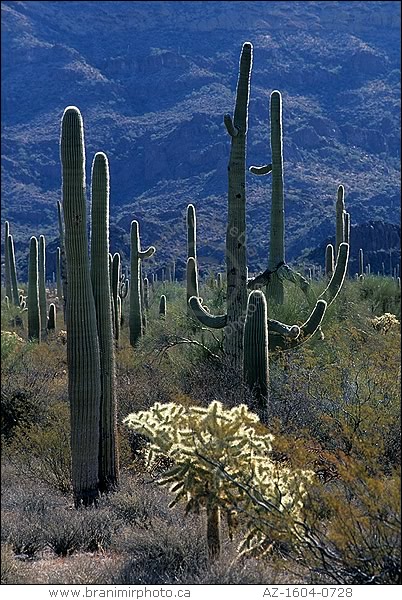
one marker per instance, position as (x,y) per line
(335,284)
(263,170)
(204,317)
(307,330)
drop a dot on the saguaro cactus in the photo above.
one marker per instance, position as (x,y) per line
(255,352)
(236,225)
(329,260)
(108,453)
(42,285)
(192,282)
(136,320)
(51,319)
(361,262)
(277,270)
(63,264)
(13,271)
(115,282)
(84,382)
(191,232)
(340,218)
(146,293)
(162,306)
(7,273)
(34,329)
(58,275)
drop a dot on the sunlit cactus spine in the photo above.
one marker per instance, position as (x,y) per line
(340,218)
(34,329)
(83,356)
(108,453)
(7,273)
(329,260)
(136,313)
(51,319)
(162,306)
(255,352)
(13,271)
(42,285)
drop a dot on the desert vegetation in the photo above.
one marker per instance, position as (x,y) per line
(238,428)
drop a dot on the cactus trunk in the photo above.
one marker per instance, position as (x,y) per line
(7,273)
(277,234)
(255,363)
(84,382)
(108,454)
(13,271)
(42,286)
(236,254)
(34,328)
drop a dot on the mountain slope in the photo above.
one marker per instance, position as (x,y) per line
(153,80)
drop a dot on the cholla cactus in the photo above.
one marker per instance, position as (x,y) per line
(217,452)
(385,322)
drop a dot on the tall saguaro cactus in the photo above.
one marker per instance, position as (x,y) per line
(42,285)
(7,273)
(13,271)
(236,266)
(329,260)
(255,352)
(340,218)
(277,270)
(84,382)
(136,320)
(63,264)
(34,328)
(58,275)
(108,453)
(191,232)
(277,237)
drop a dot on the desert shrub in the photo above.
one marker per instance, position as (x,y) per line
(26,536)
(169,552)
(42,452)
(359,540)
(86,530)
(76,569)
(12,571)
(381,294)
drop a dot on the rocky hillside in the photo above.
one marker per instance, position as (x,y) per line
(153,80)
